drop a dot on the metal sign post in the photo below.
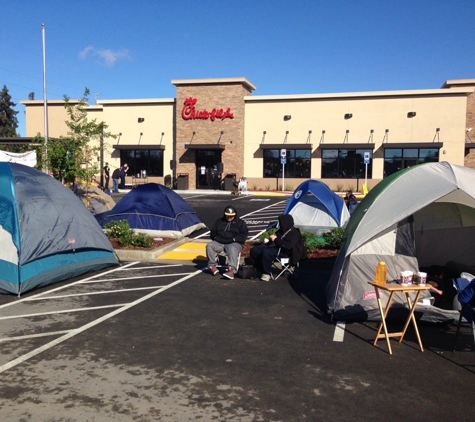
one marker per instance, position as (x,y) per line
(283,160)
(366,162)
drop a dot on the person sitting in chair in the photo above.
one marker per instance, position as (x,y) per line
(288,239)
(467,297)
(228,234)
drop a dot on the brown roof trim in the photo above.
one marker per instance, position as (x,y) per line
(205,146)
(286,146)
(347,146)
(437,145)
(129,147)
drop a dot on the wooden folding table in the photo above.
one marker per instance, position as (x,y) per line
(392,288)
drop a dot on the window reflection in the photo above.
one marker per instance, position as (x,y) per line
(150,160)
(345,163)
(396,159)
(298,163)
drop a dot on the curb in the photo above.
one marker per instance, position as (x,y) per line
(137,255)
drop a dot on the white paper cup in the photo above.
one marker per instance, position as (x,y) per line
(421,278)
(406,277)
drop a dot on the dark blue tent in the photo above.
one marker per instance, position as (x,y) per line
(156,210)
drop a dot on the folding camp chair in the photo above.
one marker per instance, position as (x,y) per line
(282,265)
(223,261)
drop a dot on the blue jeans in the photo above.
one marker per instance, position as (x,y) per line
(116,185)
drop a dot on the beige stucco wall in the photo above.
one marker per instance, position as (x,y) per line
(451,109)
(443,109)
(57,116)
(122,118)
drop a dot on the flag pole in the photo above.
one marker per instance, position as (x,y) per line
(45,104)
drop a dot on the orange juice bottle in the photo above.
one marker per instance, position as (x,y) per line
(381,273)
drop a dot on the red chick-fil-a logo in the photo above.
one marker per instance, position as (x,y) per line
(189,112)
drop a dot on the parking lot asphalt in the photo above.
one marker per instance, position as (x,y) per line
(149,341)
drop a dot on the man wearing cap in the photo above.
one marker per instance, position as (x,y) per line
(228,234)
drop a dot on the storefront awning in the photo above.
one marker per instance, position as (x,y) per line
(205,146)
(129,147)
(436,145)
(469,145)
(366,145)
(286,146)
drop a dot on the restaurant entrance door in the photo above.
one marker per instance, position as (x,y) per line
(207,163)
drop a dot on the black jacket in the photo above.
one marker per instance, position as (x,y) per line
(290,239)
(226,232)
(116,174)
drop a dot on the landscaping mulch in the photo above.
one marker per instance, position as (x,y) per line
(156,243)
(315,254)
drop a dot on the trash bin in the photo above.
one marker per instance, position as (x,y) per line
(168,181)
(182,181)
(228,181)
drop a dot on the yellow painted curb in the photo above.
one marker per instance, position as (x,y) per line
(189,251)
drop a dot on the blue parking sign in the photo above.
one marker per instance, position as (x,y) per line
(283,161)
(366,158)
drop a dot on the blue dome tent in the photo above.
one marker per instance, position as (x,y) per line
(316,208)
(156,210)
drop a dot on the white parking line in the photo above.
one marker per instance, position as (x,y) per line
(28,336)
(153,267)
(102,292)
(63,311)
(339,331)
(132,278)
(85,327)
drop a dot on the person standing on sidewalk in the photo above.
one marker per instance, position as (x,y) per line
(115,180)
(123,172)
(228,234)
(107,173)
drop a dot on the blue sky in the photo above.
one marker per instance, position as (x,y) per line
(133,49)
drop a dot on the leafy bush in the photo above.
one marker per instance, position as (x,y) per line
(118,229)
(334,237)
(126,236)
(312,241)
(143,240)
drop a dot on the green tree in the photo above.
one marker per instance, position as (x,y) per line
(8,119)
(75,157)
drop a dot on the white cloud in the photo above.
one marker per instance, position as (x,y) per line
(107,56)
(83,54)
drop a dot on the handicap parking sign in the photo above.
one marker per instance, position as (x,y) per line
(366,157)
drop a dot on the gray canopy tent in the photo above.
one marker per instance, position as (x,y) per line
(417,217)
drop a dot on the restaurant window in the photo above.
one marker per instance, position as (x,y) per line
(346,164)
(298,163)
(150,160)
(396,159)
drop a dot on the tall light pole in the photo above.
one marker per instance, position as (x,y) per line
(102,155)
(45,104)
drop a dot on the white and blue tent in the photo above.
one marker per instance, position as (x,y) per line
(46,233)
(316,208)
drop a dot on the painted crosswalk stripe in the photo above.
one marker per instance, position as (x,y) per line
(339,331)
